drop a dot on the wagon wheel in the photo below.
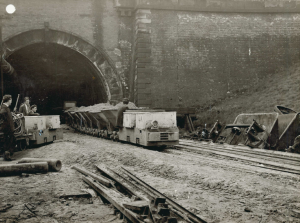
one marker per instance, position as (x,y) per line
(21,145)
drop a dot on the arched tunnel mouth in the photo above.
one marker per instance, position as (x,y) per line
(51,74)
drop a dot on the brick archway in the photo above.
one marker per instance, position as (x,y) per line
(98,57)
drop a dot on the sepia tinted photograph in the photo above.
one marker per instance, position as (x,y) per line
(150,111)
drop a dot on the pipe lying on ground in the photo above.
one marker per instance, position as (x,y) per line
(54,165)
(17,169)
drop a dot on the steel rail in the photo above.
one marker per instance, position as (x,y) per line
(148,193)
(208,160)
(282,160)
(253,155)
(243,151)
(280,168)
(244,163)
(189,214)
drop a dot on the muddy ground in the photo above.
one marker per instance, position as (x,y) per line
(219,190)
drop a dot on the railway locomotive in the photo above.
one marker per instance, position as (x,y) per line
(143,127)
(34,130)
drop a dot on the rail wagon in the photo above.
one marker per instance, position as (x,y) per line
(149,128)
(143,127)
(43,129)
(276,130)
(34,130)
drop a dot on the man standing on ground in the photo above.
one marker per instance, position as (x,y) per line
(25,107)
(7,127)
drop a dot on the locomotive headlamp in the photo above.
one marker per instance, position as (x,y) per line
(155,124)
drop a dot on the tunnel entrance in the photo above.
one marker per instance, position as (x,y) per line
(50,74)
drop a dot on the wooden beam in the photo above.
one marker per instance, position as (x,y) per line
(75,195)
(96,177)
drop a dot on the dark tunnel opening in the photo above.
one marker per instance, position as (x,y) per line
(51,74)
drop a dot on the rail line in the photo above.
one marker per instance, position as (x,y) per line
(277,163)
(151,193)
(244,151)
(213,161)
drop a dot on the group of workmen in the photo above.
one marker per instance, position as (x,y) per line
(7,124)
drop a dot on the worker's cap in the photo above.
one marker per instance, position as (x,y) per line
(33,106)
(6,97)
(26,98)
(125,100)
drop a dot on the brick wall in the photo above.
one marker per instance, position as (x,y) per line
(142,60)
(69,15)
(172,57)
(200,57)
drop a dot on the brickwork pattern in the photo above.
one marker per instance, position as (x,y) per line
(142,58)
(201,57)
(71,15)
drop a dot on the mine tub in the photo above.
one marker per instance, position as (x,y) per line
(82,121)
(102,120)
(265,130)
(288,130)
(71,118)
(284,110)
(111,117)
(77,120)
(89,124)
(95,122)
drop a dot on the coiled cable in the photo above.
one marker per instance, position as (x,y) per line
(18,123)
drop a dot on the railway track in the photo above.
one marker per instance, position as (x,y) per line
(244,150)
(145,191)
(253,158)
(262,159)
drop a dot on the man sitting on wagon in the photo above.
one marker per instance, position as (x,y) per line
(33,110)
(120,114)
(25,107)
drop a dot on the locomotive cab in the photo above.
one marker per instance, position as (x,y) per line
(43,129)
(149,128)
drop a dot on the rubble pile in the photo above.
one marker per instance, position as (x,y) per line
(99,107)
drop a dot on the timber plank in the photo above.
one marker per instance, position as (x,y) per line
(96,177)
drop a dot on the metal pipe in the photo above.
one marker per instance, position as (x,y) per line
(17,169)
(54,164)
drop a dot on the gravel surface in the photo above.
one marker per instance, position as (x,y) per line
(219,190)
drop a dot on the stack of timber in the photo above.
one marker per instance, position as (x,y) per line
(133,199)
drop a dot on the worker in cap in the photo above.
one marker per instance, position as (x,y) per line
(7,127)
(120,112)
(25,107)
(33,110)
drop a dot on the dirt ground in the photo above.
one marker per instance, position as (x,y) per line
(219,190)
